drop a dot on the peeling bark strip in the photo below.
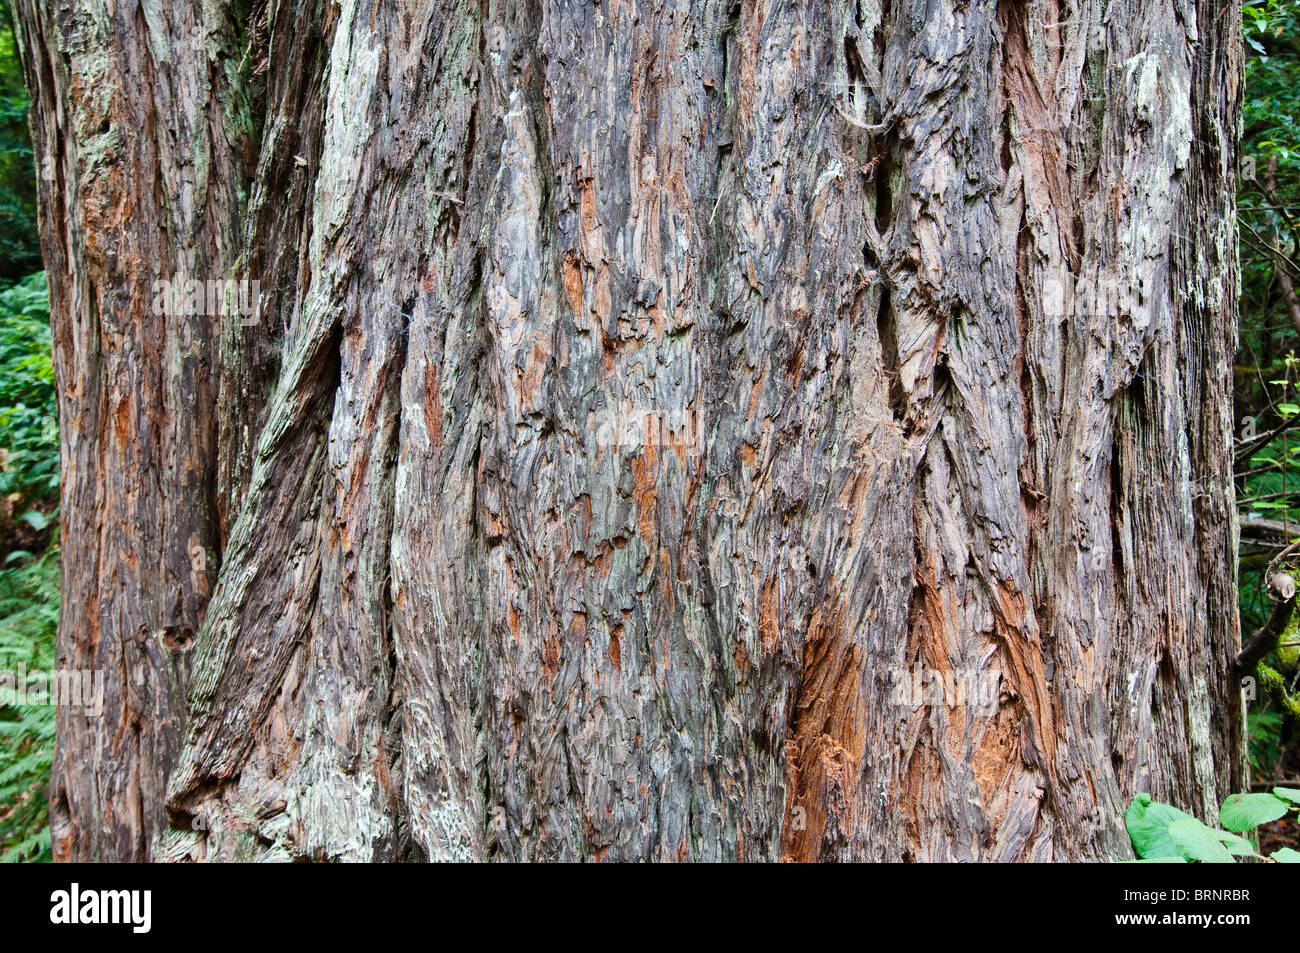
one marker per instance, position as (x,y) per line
(640,391)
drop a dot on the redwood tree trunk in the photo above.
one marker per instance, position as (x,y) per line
(644,397)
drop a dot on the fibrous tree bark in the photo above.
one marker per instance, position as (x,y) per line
(639,393)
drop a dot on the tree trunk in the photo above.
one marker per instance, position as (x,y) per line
(713,431)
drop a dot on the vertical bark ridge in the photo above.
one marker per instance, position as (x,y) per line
(138,186)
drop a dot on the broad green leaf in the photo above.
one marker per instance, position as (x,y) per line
(1241,812)
(1198,842)
(1148,823)
(1288,794)
(1235,844)
(1285,855)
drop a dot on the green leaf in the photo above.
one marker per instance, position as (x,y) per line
(1236,845)
(1288,794)
(1241,812)
(1158,860)
(1197,842)
(1148,823)
(1285,855)
(35,519)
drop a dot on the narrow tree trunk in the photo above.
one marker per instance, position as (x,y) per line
(645,398)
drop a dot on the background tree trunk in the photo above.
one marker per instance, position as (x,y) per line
(642,391)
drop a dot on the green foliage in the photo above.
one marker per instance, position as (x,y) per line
(1242,812)
(29,610)
(19,244)
(1148,827)
(1264,740)
(28,410)
(1196,842)
(1161,832)
(29,567)
(1267,373)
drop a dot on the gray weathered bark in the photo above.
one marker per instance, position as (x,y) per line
(640,391)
